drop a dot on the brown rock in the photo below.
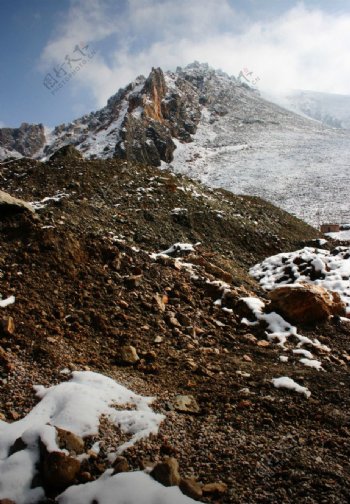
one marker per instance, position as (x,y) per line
(70,441)
(161,301)
(263,343)
(167,472)
(14,415)
(7,501)
(183,319)
(191,488)
(186,404)
(85,477)
(128,355)
(172,320)
(214,488)
(7,326)
(133,281)
(4,356)
(120,465)
(10,204)
(306,303)
(59,470)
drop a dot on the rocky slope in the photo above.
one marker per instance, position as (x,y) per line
(88,286)
(331,109)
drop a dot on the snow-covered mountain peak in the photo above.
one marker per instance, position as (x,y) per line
(207,124)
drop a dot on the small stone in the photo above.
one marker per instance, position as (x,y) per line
(133,281)
(158,339)
(14,415)
(8,326)
(214,488)
(172,320)
(247,358)
(184,319)
(191,488)
(167,472)
(85,477)
(161,301)
(128,355)
(249,337)
(120,465)
(263,343)
(186,404)
(244,404)
(70,441)
(244,392)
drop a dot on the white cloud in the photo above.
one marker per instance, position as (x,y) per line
(303,48)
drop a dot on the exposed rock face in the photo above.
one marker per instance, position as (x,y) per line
(155,116)
(306,303)
(138,124)
(27,139)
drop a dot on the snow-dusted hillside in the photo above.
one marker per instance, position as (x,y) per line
(256,147)
(206,124)
(331,109)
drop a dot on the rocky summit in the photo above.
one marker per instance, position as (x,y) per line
(208,125)
(121,282)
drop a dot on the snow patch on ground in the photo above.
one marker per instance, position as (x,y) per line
(124,488)
(7,301)
(39,205)
(332,268)
(288,383)
(76,406)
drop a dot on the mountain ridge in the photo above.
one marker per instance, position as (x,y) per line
(201,122)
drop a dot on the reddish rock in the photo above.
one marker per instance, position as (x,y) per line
(70,441)
(306,303)
(7,326)
(167,472)
(191,488)
(128,355)
(214,488)
(59,470)
(120,465)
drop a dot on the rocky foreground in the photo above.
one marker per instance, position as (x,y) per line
(91,280)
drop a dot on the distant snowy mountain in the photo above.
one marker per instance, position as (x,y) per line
(331,109)
(206,124)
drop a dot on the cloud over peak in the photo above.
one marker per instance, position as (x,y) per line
(302,48)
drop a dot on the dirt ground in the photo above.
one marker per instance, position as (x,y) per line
(85,285)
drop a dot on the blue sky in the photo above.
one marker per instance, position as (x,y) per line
(288,44)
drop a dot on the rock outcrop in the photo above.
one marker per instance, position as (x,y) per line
(28,139)
(9,204)
(155,115)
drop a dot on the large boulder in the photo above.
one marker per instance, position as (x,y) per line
(306,303)
(68,152)
(11,205)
